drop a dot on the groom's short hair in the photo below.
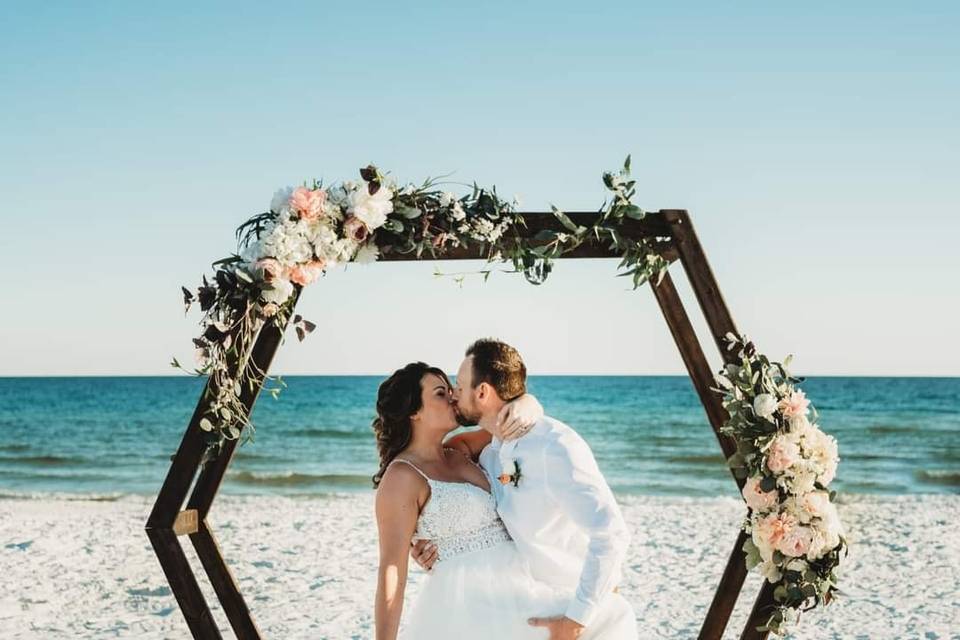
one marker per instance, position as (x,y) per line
(499,365)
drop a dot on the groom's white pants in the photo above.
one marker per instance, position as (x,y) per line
(614,620)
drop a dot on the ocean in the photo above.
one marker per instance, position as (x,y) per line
(105,437)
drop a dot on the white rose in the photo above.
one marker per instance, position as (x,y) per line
(802,478)
(509,467)
(447,198)
(764,405)
(458,212)
(816,503)
(279,292)
(371,210)
(823,452)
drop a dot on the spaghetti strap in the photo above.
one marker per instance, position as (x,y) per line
(425,476)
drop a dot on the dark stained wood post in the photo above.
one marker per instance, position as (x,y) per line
(674,238)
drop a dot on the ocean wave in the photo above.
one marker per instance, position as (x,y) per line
(938,476)
(43,461)
(295,479)
(335,434)
(709,459)
(63,495)
(892,428)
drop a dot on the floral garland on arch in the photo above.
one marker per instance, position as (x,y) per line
(312,228)
(796,536)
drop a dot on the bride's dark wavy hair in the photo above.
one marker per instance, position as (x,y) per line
(398,398)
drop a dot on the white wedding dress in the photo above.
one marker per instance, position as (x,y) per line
(480,588)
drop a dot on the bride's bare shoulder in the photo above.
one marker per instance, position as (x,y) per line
(401,480)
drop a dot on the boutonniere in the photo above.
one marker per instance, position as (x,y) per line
(510,473)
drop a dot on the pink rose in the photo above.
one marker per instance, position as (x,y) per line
(795,542)
(758,499)
(356,229)
(303,274)
(774,527)
(308,203)
(782,454)
(268,269)
(795,404)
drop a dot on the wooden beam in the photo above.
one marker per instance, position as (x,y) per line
(704,284)
(234,606)
(652,227)
(718,318)
(184,584)
(267,341)
(694,360)
(762,608)
(183,468)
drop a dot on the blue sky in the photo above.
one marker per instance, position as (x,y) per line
(816,147)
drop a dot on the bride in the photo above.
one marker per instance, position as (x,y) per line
(479,587)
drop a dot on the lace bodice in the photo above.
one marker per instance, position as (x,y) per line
(459,517)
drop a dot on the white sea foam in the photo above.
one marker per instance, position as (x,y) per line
(307,566)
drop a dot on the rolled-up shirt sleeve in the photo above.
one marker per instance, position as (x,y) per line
(574,481)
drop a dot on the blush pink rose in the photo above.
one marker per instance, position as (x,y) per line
(782,454)
(308,203)
(795,404)
(268,269)
(774,527)
(795,542)
(356,229)
(303,274)
(758,499)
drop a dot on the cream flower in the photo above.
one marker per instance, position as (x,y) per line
(782,454)
(796,541)
(280,203)
(372,210)
(280,290)
(758,499)
(367,253)
(764,405)
(770,571)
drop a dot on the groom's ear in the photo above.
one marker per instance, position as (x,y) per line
(483,391)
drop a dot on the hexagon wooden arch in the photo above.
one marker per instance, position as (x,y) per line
(674,238)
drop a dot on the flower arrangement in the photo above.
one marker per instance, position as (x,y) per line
(787,462)
(312,228)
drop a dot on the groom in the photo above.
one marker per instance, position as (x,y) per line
(552,498)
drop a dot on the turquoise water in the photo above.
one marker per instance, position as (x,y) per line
(108,436)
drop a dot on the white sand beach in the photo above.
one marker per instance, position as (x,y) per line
(84,569)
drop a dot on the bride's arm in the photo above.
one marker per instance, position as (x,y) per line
(515,418)
(397,509)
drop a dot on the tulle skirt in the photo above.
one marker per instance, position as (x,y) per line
(481,595)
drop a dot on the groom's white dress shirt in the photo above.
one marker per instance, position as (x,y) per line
(562,515)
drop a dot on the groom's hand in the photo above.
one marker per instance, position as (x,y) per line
(560,627)
(424,553)
(518,416)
